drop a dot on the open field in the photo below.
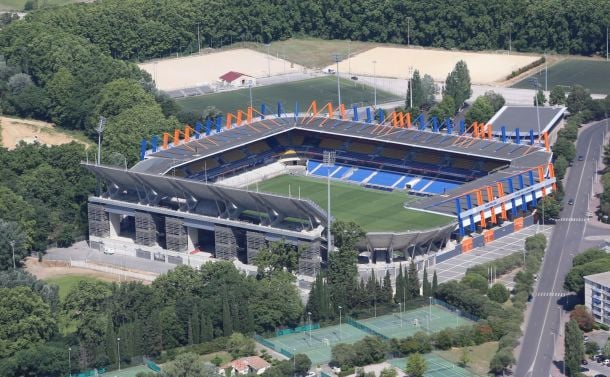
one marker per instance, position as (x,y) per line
(321,89)
(14,130)
(195,70)
(484,67)
(66,283)
(374,210)
(592,74)
(47,270)
(480,357)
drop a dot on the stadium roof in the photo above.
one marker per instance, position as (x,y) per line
(162,161)
(525,118)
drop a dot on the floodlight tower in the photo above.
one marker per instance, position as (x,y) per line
(328,160)
(101,126)
(375,83)
(337,57)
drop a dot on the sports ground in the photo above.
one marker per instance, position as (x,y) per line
(373,210)
(437,367)
(592,74)
(321,89)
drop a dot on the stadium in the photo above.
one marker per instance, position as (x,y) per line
(421,189)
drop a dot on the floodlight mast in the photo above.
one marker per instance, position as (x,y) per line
(328,160)
(337,60)
(101,126)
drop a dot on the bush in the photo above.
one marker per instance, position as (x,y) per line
(526,68)
(498,293)
(475,281)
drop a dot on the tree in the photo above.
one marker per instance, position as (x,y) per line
(574,348)
(498,293)
(465,357)
(428,91)
(388,372)
(342,355)
(386,290)
(302,363)
(549,207)
(501,360)
(606,349)
(557,96)
(583,318)
(416,365)
(444,109)
(481,111)
(275,257)
(539,98)
(415,92)
(457,85)
(240,346)
(346,234)
(37,360)
(426,288)
(574,280)
(18,82)
(495,99)
(12,238)
(26,320)
(413,281)
(560,165)
(434,283)
(188,365)
(578,99)
(566,148)
(342,273)
(475,281)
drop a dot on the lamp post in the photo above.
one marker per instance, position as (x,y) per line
(337,60)
(70,361)
(12,243)
(268,60)
(340,317)
(198,39)
(429,313)
(375,84)
(349,57)
(328,160)
(101,126)
(309,320)
(410,87)
(536,85)
(408,31)
(400,312)
(510,25)
(118,351)
(250,88)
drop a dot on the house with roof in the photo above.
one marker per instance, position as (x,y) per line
(236,80)
(243,366)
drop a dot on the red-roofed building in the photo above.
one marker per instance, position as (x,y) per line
(243,366)
(236,79)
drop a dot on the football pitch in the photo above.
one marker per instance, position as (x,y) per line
(320,89)
(373,210)
(592,74)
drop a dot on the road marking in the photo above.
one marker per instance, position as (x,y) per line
(548,306)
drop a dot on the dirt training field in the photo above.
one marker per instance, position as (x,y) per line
(190,71)
(14,130)
(484,68)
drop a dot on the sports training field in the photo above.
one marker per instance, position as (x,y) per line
(374,210)
(321,89)
(592,74)
(436,367)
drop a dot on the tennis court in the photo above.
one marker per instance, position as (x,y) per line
(428,319)
(317,344)
(437,367)
(128,372)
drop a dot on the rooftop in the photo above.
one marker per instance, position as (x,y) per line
(231,76)
(601,278)
(525,118)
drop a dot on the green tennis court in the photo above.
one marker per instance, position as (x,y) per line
(402,325)
(372,209)
(317,344)
(128,372)
(437,367)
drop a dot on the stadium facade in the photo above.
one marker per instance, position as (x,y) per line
(195,198)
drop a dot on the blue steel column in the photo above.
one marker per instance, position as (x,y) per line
(369,117)
(517,136)
(355,108)
(503,134)
(154,142)
(208,127)
(471,216)
(511,189)
(296,109)
(218,123)
(263,110)
(462,127)
(458,210)
(198,126)
(532,182)
(521,187)
(531,137)
(449,126)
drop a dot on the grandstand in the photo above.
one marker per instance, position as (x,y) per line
(213,191)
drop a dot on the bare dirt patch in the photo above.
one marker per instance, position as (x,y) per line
(52,269)
(14,130)
(205,69)
(484,67)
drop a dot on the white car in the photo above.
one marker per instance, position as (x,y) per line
(311,374)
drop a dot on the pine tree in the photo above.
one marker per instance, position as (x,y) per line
(425,284)
(434,283)
(110,342)
(195,324)
(138,337)
(418,94)
(386,291)
(574,348)
(207,328)
(400,286)
(227,324)
(413,281)
(152,343)
(371,290)
(458,84)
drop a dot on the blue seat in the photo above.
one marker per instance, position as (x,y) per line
(421,184)
(384,179)
(359,175)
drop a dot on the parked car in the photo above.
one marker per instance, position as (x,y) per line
(586,338)
(571,201)
(584,362)
(580,158)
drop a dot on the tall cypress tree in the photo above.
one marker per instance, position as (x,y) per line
(195,324)
(110,341)
(407,283)
(400,286)
(152,343)
(138,337)
(227,324)
(386,290)
(413,281)
(207,328)
(371,289)
(425,284)
(434,283)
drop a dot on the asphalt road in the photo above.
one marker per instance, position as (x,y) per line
(537,350)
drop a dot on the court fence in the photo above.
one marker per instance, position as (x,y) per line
(297,330)
(363,327)
(453,309)
(272,346)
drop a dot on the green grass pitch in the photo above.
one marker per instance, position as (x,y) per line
(320,89)
(592,74)
(372,209)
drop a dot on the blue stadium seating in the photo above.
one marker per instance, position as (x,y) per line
(311,165)
(439,187)
(359,175)
(421,184)
(341,172)
(323,171)
(384,179)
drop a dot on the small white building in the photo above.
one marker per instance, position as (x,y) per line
(236,80)
(597,296)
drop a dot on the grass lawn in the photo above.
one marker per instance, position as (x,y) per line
(223,355)
(66,283)
(321,89)
(480,356)
(592,74)
(313,52)
(374,210)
